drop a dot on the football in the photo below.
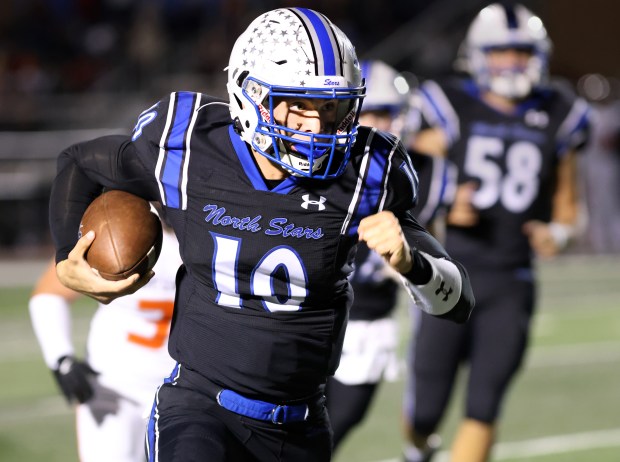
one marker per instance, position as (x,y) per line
(128,235)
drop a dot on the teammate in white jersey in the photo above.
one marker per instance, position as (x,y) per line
(127,357)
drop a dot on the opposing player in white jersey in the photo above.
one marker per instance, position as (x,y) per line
(127,357)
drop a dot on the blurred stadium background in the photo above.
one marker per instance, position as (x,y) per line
(73,69)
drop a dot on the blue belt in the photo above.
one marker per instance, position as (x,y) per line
(261,410)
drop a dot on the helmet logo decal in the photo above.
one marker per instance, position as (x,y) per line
(264,113)
(348,120)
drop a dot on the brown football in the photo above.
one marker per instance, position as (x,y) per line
(128,235)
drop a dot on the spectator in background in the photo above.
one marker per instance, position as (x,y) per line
(127,358)
(513,139)
(600,164)
(369,349)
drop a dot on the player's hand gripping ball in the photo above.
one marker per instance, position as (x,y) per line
(128,235)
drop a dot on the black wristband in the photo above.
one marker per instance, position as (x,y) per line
(421,270)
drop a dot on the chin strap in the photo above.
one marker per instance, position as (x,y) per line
(300,159)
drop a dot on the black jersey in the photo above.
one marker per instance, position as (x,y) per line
(263,295)
(512,157)
(374,287)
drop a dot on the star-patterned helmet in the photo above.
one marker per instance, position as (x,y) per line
(295,52)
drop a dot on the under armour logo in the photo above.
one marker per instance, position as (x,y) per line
(320,204)
(443,291)
(535,118)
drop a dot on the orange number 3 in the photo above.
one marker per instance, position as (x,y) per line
(162,325)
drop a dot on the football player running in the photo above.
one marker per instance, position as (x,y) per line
(513,137)
(268,194)
(369,348)
(127,357)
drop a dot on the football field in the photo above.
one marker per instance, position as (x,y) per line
(564,406)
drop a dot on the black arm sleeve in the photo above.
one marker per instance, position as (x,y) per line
(84,170)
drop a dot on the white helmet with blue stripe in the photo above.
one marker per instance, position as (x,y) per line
(386,91)
(291,52)
(501,26)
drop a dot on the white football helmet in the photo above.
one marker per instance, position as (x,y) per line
(503,27)
(293,52)
(386,90)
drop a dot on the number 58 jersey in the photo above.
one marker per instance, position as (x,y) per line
(262,301)
(511,158)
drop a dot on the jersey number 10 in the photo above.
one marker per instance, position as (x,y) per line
(225,262)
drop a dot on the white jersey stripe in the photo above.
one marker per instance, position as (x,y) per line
(360,182)
(438,111)
(385,181)
(436,191)
(162,147)
(570,126)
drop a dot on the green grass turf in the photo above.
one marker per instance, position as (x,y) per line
(567,391)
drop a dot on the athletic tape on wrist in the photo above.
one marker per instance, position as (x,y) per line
(442,292)
(51,320)
(561,234)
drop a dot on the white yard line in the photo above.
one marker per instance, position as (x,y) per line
(557,444)
(573,354)
(53,406)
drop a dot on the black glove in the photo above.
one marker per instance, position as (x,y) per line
(73,376)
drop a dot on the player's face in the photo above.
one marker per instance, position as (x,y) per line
(308,115)
(502,60)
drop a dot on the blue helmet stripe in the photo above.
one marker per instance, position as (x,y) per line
(511,17)
(324,42)
(365,67)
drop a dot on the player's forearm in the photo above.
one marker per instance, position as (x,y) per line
(84,170)
(72,191)
(440,287)
(51,320)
